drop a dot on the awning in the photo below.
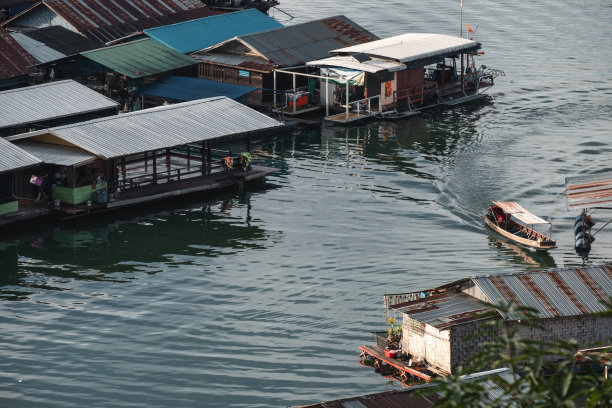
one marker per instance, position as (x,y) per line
(190,89)
(56,154)
(340,76)
(518,212)
(589,191)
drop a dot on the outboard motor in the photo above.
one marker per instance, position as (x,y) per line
(582,233)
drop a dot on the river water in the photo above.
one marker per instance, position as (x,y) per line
(261,298)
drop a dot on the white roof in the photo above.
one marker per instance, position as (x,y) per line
(512,207)
(56,154)
(13,158)
(49,101)
(160,127)
(412,47)
(348,62)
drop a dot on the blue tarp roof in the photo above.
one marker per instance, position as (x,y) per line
(190,89)
(205,32)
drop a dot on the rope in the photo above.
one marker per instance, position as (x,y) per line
(601,228)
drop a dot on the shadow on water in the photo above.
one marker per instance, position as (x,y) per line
(96,247)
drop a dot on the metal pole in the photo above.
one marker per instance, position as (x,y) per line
(294,94)
(347,100)
(326,97)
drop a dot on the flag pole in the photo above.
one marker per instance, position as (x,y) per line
(461,32)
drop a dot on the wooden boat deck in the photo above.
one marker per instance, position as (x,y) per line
(352,117)
(521,234)
(405,371)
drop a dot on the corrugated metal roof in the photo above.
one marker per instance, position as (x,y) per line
(554,292)
(141,58)
(372,66)
(243,61)
(297,44)
(589,191)
(424,395)
(444,310)
(14,60)
(202,33)
(106,20)
(38,50)
(14,158)
(190,89)
(49,101)
(61,39)
(55,154)
(161,127)
(412,47)
(512,207)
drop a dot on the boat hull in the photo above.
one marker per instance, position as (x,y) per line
(540,241)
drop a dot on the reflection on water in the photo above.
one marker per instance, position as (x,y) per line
(517,254)
(94,248)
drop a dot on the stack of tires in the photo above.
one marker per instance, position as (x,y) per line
(582,233)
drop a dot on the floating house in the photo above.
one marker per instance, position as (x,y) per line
(15,61)
(406,73)
(195,35)
(143,156)
(437,322)
(15,164)
(52,43)
(104,21)
(251,59)
(49,105)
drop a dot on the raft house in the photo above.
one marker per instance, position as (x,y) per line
(436,322)
(252,59)
(51,104)
(588,194)
(395,77)
(144,156)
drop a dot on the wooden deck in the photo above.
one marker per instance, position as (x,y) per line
(28,210)
(352,117)
(405,371)
(213,181)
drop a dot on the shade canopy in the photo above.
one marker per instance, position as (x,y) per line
(190,89)
(518,212)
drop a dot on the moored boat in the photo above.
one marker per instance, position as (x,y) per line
(502,217)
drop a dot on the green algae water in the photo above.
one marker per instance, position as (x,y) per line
(261,298)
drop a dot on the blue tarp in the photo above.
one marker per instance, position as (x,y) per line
(190,89)
(195,35)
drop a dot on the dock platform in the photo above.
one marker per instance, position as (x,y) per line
(404,371)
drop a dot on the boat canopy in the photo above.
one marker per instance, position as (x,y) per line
(518,212)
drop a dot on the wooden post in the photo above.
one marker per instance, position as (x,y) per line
(168,164)
(248,142)
(205,160)
(188,157)
(327,96)
(208,157)
(123,170)
(146,162)
(154,167)
(294,92)
(462,86)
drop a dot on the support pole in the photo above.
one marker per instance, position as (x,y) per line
(326,97)
(274,94)
(249,142)
(347,100)
(294,94)
(462,84)
(154,167)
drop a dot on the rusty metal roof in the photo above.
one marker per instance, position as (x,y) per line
(425,395)
(297,44)
(107,20)
(444,310)
(14,60)
(512,207)
(554,292)
(589,191)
